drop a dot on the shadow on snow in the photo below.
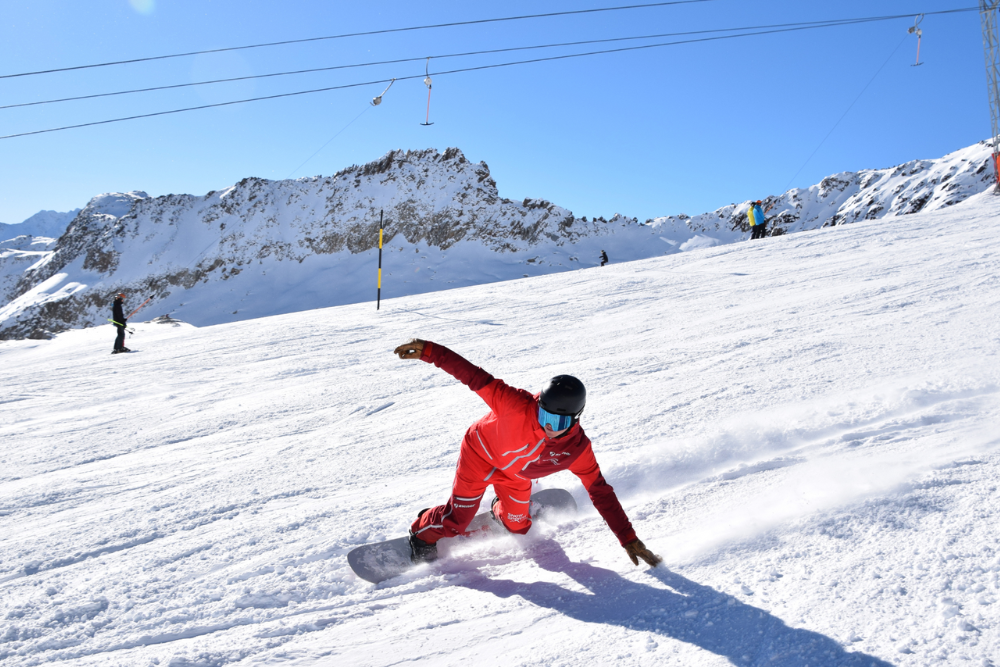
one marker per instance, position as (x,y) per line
(688,612)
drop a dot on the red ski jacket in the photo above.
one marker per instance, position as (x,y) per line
(510,437)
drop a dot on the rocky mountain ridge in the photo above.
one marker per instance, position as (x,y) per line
(207,259)
(265,247)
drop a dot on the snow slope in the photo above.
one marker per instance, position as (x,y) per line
(804,427)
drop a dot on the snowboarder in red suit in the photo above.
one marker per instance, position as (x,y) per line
(524,437)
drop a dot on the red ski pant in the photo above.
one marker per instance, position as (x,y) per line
(473,475)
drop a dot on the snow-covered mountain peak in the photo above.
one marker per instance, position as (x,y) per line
(262,247)
(50,224)
(114,204)
(231,254)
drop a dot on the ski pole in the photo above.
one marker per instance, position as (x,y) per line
(140,306)
(118,324)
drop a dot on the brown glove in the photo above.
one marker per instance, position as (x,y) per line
(636,550)
(411,350)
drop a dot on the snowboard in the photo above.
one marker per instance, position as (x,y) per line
(379,561)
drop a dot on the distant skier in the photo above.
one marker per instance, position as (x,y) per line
(118,317)
(523,437)
(758,224)
(604,258)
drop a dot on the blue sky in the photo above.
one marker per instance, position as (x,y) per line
(679,129)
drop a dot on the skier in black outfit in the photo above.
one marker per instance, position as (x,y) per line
(118,315)
(604,258)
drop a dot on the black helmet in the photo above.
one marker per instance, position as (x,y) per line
(563,395)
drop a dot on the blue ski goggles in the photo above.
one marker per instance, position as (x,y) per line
(557,422)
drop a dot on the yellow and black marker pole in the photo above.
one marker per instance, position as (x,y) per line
(378,299)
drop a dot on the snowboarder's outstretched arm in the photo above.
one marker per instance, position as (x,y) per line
(606,502)
(497,393)
(473,377)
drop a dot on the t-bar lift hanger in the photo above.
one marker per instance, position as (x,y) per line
(427,82)
(915,29)
(378,100)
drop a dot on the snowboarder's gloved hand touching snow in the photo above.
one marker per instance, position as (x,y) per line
(636,550)
(411,350)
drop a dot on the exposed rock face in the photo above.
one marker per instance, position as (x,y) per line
(269,247)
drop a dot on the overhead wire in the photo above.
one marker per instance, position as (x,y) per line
(339,132)
(825,23)
(458,71)
(205,106)
(844,115)
(359,34)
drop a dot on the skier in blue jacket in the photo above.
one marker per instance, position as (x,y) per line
(758,224)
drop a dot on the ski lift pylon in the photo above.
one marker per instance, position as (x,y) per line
(378,100)
(427,82)
(919,32)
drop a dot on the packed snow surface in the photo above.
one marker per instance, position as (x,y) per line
(804,427)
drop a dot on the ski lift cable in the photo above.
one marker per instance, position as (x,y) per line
(843,115)
(812,24)
(415,76)
(203,106)
(449,55)
(831,22)
(360,34)
(339,132)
